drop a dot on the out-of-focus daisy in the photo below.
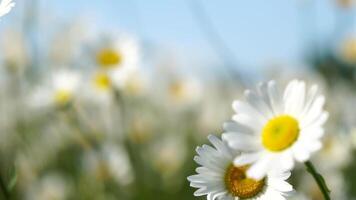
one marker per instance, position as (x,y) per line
(335,180)
(6,6)
(101,81)
(52,186)
(137,84)
(110,162)
(274,131)
(98,88)
(141,129)
(119,58)
(338,148)
(218,178)
(168,156)
(60,90)
(184,91)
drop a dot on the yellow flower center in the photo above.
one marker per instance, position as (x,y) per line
(102,81)
(108,58)
(62,97)
(239,185)
(280,133)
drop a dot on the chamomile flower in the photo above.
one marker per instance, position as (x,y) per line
(59,90)
(219,179)
(6,6)
(119,57)
(274,131)
(98,88)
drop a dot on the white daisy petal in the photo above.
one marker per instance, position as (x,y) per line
(247,109)
(260,168)
(287,96)
(248,121)
(246,158)
(300,98)
(314,111)
(300,153)
(281,185)
(312,94)
(263,93)
(274,97)
(232,126)
(240,141)
(254,100)
(287,161)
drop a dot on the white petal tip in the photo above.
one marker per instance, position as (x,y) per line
(238,162)
(255,175)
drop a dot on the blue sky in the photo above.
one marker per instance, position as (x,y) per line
(259,32)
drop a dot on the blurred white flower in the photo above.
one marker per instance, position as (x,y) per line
(118,163)
(110,162)
(98,88)
(218,178)
(168,154)
(274,131)
(335,181)
(59,90)
(50,187)
(184,91)
(338,148)
(137,84)
(6,6)
(119,57)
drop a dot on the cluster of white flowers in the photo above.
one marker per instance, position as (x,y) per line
(268,134)
(114,67)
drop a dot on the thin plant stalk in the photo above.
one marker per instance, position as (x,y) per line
(318,179)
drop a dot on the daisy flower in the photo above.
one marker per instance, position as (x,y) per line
(219,179)
(60,89)
(98,88)
(274,131)
(6,6)
(119,57)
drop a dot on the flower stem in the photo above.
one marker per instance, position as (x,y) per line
(318,179)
